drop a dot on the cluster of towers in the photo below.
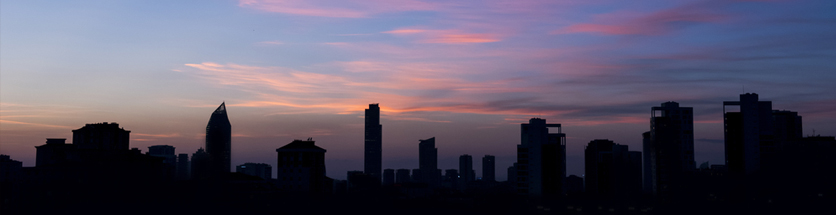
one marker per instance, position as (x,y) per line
(427,172)
(755,138)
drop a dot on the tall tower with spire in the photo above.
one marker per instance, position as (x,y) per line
(219,141)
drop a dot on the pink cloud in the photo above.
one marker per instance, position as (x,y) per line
(341,9)
(451,36)
(661,22)
(463,38)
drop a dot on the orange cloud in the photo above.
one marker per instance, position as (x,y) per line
(445,36)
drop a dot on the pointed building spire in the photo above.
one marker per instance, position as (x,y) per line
(221,109)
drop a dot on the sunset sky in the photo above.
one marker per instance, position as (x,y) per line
(466,72)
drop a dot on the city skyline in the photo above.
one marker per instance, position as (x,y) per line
(437,70)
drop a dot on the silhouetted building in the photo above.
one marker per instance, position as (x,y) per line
(373,142)
(428,163)
(163,151)
(201,168)
(466,171)
(574,185)
(402,176)
(101,136)
(388,176)
(219,142)
(183,167)
(489,168)
(451,179)
(262,170)
(167,153)
(611,171)
(55,151)
(541,159)
(755,135)
(9,169)
(669,149)
(788,129)
(301,167)
(358,181)
(512,175)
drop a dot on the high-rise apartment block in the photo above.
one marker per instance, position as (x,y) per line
(541,159)
(489,168)
(668,148)
(755,134)
(611,171)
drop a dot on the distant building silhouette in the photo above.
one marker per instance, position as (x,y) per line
(611,171)
(402,176)
(541,159)
(163,151)
(512,175)
(219,142)
(489,168)
(669,149)
(466,172)
(373,162)
(451,179)
(9,169)
(301,167)
(262,170)
(55,151)
(167,153)
(201,168)
(428,163)
(101,136)
(388,176)
(183,167)
(574,185)
(756,134)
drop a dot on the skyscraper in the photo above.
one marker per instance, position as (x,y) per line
(219,141)
(756,134)
(373,143)
(466,168)
(489,168)
(428,162)
(541,159)
(669,148)
(611,170)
